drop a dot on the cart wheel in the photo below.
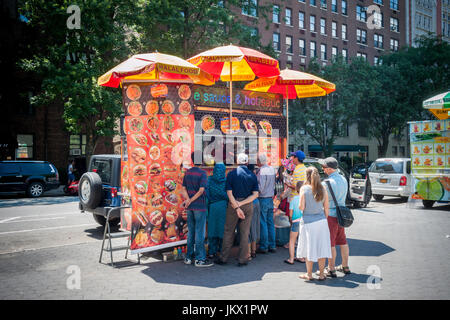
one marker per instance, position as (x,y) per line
(428,203)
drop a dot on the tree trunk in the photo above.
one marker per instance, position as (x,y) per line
(382,148)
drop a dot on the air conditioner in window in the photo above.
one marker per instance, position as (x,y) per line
(289,58)
(323,5)
(393,28)
(75,152)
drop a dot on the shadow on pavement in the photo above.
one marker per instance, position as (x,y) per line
(229,274)
(23,201)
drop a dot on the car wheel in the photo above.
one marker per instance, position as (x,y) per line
(378,197)
(428,203)
(102,220)
(35,189)
(90,190)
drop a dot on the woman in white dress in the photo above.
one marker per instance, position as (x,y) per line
(315,242)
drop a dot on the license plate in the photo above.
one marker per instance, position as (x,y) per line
(383,180)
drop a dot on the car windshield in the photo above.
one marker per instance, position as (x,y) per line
(318,166)
(103,168)
(387,166)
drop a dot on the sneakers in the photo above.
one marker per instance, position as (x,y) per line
(203,263)
(187,261)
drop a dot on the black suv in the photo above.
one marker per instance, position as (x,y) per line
(33,177)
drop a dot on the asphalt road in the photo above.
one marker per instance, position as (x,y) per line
(396,252)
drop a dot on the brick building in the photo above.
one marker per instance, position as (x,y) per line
(303,29)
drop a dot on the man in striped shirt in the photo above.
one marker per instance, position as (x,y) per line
(299,174)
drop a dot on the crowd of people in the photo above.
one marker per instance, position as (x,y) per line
(250,201)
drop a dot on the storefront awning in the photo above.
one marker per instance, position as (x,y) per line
(338,148)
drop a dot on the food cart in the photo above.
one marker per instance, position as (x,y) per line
(430,156)
(164,122)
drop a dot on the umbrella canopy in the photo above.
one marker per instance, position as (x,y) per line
(293,84)
(245,63)
(155,66)
(440,101)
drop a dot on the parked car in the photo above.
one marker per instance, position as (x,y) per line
(351,199)
(33,177)
(99,186)
(390,177)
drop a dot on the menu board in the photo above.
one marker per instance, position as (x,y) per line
(430,144)
(159,126)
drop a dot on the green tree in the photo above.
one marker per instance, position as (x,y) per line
(325,119)
(69,61)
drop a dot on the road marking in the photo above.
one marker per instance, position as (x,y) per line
(44,229)
(6,220)
(34,220)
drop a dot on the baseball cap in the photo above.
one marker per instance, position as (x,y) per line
(242,158)
(299,154)
(329,162)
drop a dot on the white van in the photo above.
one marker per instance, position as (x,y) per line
(390,177)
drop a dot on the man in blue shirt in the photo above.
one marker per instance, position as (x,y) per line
(194,185)
(242,189)
(337,233)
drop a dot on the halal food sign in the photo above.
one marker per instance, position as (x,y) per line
(242,99)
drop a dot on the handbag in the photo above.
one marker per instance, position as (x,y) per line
(343,213)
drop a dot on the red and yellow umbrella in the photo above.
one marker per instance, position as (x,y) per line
(155,66)
(233,63)
(293,84)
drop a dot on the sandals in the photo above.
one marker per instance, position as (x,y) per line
(253,254)
(304,276)
(288,262)
(345,270)
(299,260)
(328,273)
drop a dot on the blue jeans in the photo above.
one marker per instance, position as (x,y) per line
(214,245)
(267,236)
(196,221)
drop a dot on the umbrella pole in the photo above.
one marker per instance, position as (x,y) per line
(231,96)
(287,121)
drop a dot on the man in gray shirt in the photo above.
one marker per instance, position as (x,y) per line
(266,182)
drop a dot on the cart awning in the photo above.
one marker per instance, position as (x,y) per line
(339,148)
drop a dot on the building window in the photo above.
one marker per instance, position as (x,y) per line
(378,1)
(276,14)
(312,23)
(344,7)
(276,41)
(312,47)
(24,146)
(288,18)
(323,26)
(394,25)
(378,41)
(254,32)
(250,8)
(323,4)
(376,61)
(301,46)
(289,65)
(394,45)
(402,151)
(288,44)
(77,144)
(312,2)
(361,13)
(334,6)
(394,151)
(378,19)
(344,31)
(394,4)
(334,29)
(361,36)
(323,52)
(334,53)
(361,55)
(301,20)
(345,54)
(362,130)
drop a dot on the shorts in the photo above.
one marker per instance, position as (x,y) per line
(337,233)
(295,226)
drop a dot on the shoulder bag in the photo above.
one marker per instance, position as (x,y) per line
(343,213)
